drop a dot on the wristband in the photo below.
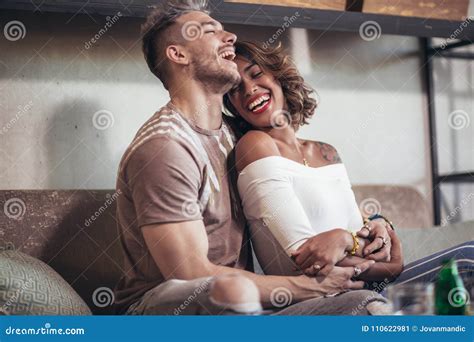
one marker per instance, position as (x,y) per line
(379,216)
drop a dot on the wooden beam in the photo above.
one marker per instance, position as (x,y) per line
(335,5)
(264,15)
(455,10)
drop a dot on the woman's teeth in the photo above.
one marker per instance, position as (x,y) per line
(258,103)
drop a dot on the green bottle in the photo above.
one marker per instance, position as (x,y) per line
(451,296)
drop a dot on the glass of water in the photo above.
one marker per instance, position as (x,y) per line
(412,298)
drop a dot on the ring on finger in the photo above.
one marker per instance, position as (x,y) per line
(367,226)
(316,267)
(357,271)
(384,240)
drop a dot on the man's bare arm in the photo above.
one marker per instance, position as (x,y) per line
(180,251)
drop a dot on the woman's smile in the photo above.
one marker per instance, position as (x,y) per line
(259,103)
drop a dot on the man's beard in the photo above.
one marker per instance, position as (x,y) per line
(215,76)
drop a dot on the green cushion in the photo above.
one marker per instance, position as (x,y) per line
(28,286)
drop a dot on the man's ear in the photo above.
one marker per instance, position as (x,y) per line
(177,54)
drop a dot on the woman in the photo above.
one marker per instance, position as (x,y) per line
(296,193)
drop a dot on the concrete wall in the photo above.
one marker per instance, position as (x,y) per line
(55,81)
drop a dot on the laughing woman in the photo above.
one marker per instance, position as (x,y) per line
(296,193)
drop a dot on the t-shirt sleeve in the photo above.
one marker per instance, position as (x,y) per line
(164,181)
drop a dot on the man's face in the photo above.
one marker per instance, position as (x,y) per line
(210,50)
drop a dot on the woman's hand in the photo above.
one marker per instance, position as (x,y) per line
(381,271)
(319,254)
(380,247)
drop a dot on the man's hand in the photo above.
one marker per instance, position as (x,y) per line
(342,278)
(379,248)
(319,254)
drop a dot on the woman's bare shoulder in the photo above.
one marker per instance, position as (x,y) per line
(254,145)
(327,151)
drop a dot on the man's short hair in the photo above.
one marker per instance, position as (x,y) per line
(154,37)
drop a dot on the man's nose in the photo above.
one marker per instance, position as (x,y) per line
(229,37)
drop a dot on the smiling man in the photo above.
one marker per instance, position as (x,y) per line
(182,228)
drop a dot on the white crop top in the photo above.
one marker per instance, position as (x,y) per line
(286,203)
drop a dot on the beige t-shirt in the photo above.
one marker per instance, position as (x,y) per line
(174,171)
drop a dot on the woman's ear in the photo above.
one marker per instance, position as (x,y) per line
(177,54)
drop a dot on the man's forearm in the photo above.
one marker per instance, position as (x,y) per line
(300,287)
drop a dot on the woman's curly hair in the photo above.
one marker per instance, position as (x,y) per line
(295,90)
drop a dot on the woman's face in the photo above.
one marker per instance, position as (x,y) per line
(258,97)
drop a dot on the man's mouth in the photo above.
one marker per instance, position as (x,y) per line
(228,55)
(259,104)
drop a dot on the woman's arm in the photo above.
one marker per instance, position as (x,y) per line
(268,196)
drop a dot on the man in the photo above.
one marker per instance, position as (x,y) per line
(182,229)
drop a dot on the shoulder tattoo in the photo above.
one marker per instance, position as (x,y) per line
(329,153)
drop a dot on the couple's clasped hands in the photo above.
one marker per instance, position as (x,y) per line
(328,255)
